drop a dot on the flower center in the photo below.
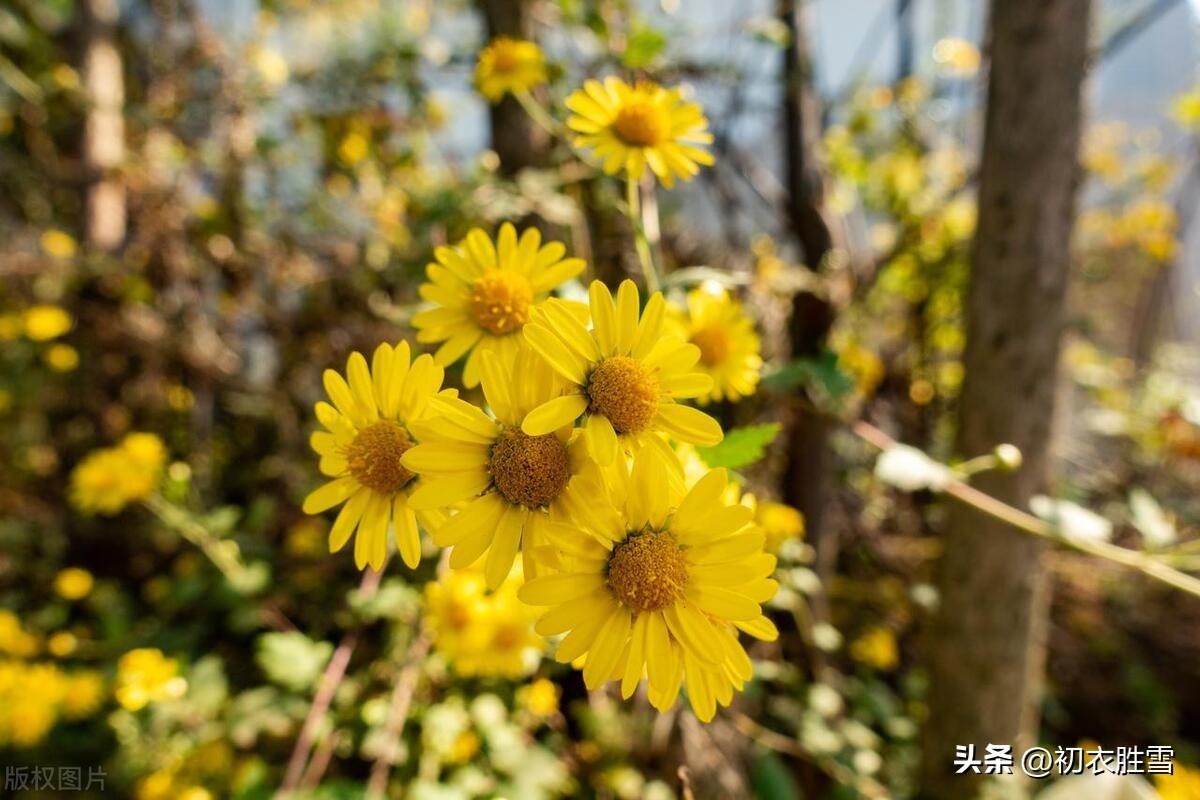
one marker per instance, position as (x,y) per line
(373,457)
(640,123)
(714,344)
(500,301)
(625,392)
(647,571)
(505,56)
(530,471)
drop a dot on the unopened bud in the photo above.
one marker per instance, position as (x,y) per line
(1008,457)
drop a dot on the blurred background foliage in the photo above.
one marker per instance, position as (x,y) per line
(287,169)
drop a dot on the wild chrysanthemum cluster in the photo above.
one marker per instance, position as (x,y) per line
(569,456)
(109,479)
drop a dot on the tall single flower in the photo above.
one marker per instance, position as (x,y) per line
(661,589)
(484,293)
(644,125)
(624,374)
(729,347)
(367,432)
(509,65)
(514,485)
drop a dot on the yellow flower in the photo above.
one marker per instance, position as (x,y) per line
(109,479)
(59,244)
(62,644)
(82,694)
(366,434)
(509,65)
(1184,784)
(729,347)
(14,639)
(661,589)
(484,293)
(625,375)
(45,322)
(539,698)
(466,745)
(632,127)
(145,676)
(778,522)
(482,632)
(61,357)
(30,697)
(876,648)
(956,56)
(513,484)
(73,583)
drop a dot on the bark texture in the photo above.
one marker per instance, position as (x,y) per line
(987,646)
(516,138)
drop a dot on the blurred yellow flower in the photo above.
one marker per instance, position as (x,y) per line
(366,434)
(484,292)
(509,66)
(876,648)
(1186,110)
(660,588)
(45,322)
(82,694)
(465,746)
(59,244)
(61,644)
(107,480)
(481,632)
(145,676)
(778,521)
(540,697)
(644,125)
(1184,784)
(729,347)
(30,697)
(61,357)
(353,148)
(957,57)
(73,583)
(14,639)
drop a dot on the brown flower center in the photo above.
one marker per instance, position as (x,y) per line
(530,471)
(373,457)
(640,123)
(500,301)
(714,344)
(625,392)
(647,571)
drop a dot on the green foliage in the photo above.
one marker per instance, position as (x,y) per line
(741,447)
(291,659)
(821,373)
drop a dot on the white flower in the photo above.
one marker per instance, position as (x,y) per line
(909,469)
(1072,520)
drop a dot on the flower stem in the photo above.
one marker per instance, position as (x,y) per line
(538,114)
(640,242)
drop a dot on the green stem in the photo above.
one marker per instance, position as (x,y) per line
(640,243)
(539,115)
(223,554)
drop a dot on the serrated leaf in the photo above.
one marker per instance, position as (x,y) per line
(291,659)
(741,447)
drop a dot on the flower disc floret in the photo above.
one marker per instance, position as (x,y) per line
(530,471)
(373,457)
(624,392)
(647,571)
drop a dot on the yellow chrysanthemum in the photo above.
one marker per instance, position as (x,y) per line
(109,479)
(145,676)
(509,65)
(82,694)
(632,127)
(45,322)
(729,347)
(660,589)
(367,432)
(73,583)
(778,522)
(484,293)
(1182,784)
(513,484)
(625,375)
(481,631)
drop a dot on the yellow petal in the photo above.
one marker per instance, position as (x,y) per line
(505,544)
(602,439)
(554,414)
(550,590)
(443,491)
(604,326)
(606,650)
(626,316)
(689,424)
(348,519)
(723,603)
(329,495)
(408,539)
(550,347)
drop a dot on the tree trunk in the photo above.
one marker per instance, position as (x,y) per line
(516,138)
(812,316)
(104,128)
(987,645)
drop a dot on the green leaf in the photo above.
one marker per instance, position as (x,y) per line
(741,447)
(822,372)
(772,779)
(291,659)
(644,45)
